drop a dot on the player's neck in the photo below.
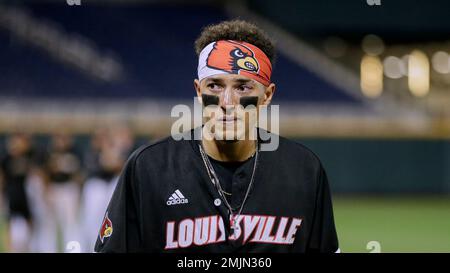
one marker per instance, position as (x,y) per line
(229,151)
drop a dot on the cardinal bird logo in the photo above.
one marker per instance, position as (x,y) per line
(232,57)
(107,229)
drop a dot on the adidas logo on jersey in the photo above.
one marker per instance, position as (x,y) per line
(177,198)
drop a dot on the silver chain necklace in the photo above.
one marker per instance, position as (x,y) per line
(215,181)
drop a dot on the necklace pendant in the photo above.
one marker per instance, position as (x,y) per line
(233,224)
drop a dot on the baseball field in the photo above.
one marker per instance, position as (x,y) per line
(398,224)
(387,224)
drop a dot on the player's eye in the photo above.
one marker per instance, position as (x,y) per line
(244,88)
(214,87)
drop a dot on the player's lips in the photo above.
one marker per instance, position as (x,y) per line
(227,119)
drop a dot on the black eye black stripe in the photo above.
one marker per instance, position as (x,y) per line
(210,100)
(214,100)
(248,100)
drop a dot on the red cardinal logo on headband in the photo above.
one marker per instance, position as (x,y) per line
(241,58)
(232,57)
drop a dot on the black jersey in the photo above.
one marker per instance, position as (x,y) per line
(165,202)
(15,171)
(228,174)
(63,166)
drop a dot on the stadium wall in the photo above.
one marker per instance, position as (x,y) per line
(377,166)
(359,166)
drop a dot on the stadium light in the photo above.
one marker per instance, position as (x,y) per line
(373,45)
(418,73)
(441,62)
(394,67)
(371,76)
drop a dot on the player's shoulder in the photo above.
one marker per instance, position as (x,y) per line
(160,148)
(289,149)
(300,149)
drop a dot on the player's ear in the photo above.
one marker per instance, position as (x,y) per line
(268,93)
(198,90)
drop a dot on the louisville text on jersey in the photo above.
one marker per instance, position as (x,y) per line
(250,229)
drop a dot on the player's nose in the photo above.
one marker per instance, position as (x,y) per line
(228,99)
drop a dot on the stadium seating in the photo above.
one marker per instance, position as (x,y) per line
(152,44)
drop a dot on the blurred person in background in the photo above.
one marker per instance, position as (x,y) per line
(44,231)
(63,176)
(123,139)
(107,154)
(91,154)
(15,168)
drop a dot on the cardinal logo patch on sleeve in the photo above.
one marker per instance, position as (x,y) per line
(107,229)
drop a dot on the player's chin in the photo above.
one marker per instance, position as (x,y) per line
(230,133)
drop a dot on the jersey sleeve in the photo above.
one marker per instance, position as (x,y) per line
(120,231)
(323,232)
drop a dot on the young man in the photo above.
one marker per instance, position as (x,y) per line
(107,153)
(16,168)
(222,193)
(62,168)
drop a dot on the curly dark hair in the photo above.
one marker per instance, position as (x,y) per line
(237,30)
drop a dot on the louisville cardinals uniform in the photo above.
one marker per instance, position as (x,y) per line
(166,202)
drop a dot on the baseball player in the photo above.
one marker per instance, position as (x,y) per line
(221,193)
(63,168)
(15,169)
(109,149)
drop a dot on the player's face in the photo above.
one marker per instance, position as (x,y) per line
(238,99)
(18,145)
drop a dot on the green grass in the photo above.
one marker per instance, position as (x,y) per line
(398,224)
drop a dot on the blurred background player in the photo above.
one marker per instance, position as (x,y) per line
(109,148)
(14,171)
(63,174)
